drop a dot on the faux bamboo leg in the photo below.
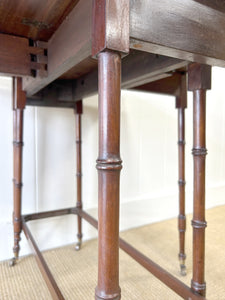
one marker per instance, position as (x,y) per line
(78,113)
(109,165)
(18,108)
(199,81)
(181,183)
(199,152)
(181,104)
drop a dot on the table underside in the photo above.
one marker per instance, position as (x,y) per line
(186,30)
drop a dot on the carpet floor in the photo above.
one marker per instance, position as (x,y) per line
(76,272)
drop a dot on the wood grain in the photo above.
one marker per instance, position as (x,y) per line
(110,26)
(33,19)
(138,68)
(109,165)
(63,52)
(168,86)
(17,57)
(14,57)
(218,4)
(183,29)
(201,75)
(19,100)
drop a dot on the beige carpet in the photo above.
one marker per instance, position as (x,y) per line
(76,272)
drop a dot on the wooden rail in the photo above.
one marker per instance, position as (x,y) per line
(46,273)
(172,282)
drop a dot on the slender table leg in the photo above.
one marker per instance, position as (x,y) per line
(181,183)
(78,114)
(199,82)
(19,100)
(181,104)
(109,165)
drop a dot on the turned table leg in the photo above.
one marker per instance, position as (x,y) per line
(181,104)
(109,165)
(19,100)
(181,183)
(78,114)
(110,39)
(199,82)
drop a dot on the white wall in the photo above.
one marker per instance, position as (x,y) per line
(148,150)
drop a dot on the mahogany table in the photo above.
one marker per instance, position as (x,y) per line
(62,51)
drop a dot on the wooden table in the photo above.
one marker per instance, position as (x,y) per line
(62,51)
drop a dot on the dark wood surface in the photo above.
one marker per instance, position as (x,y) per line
(188,30)
(19,58)
(199,224)
(33,19)
(175,284)
(65,53)
(172,282)
(45,271)
(19,100)
(109,165)
(110,26)
(49,214)
(218,5)
(199,81)
(138,68)
(181,104)
(78,116)
(14,58)
(184,29)
(170,85)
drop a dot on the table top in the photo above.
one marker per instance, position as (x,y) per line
(36,20)
(59,34)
